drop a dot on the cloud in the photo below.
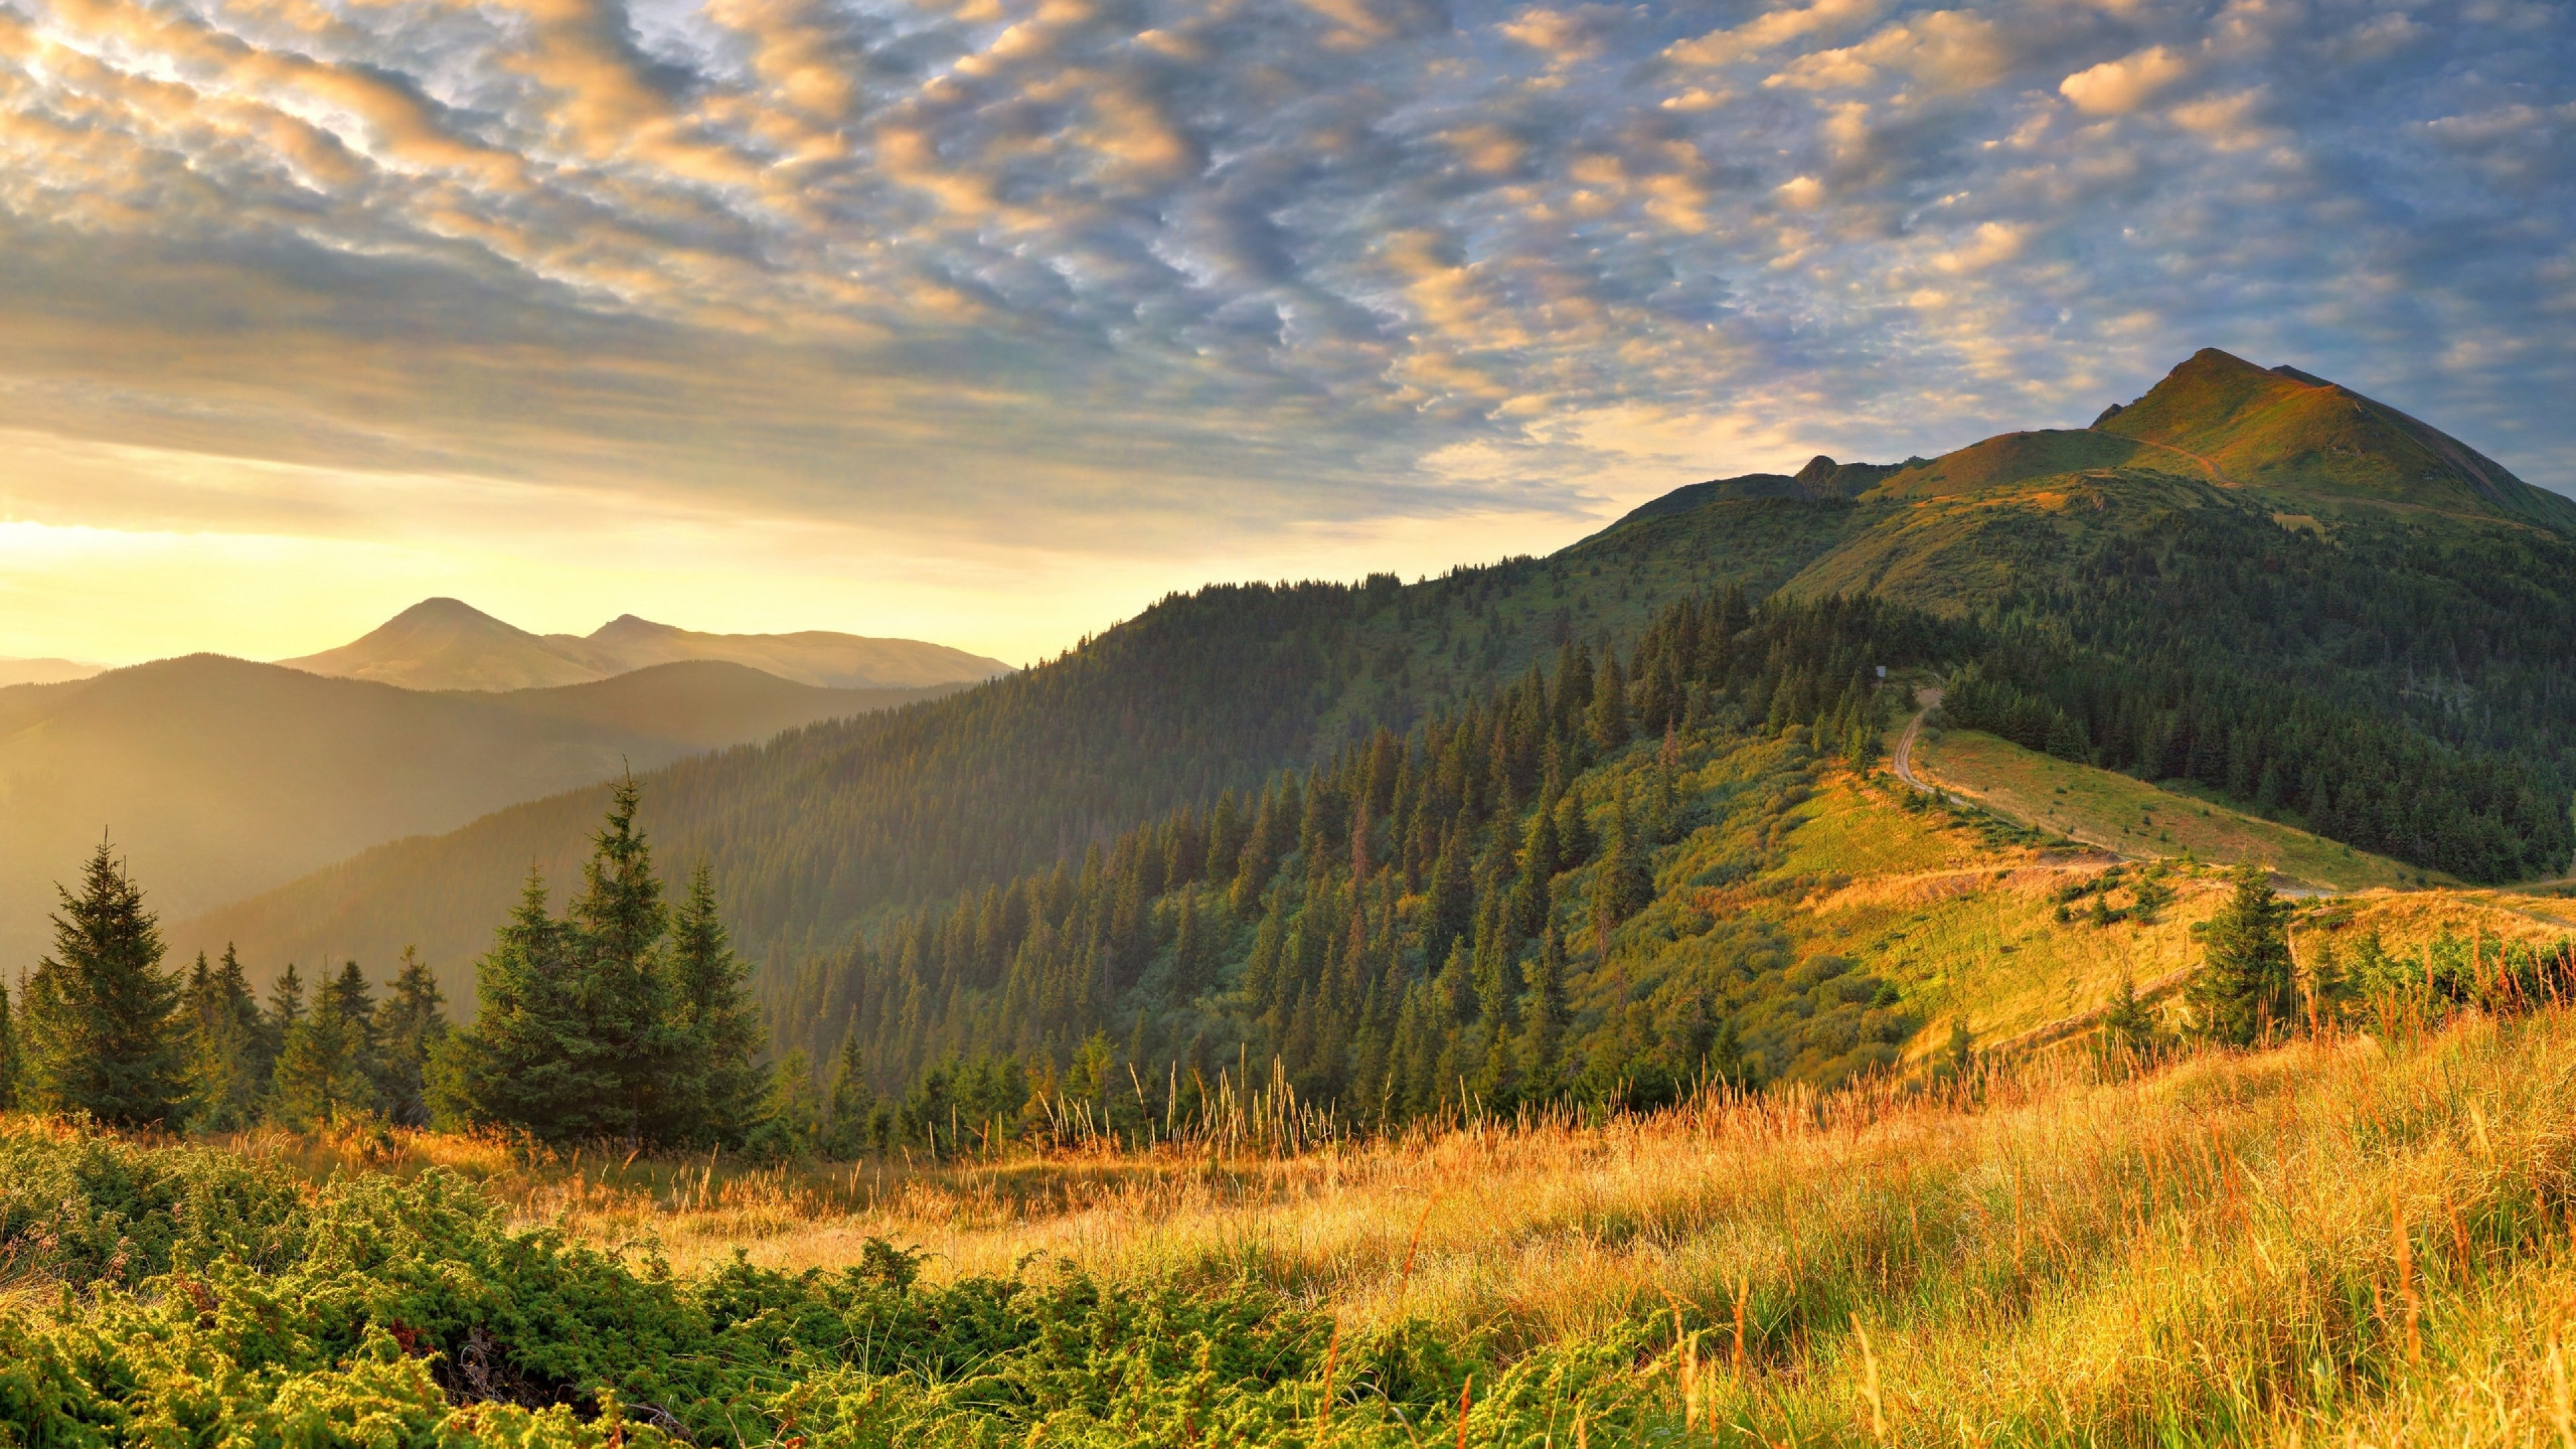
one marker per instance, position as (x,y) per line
(1104,280)
(1772,30)
(2117,87)
(1947,51)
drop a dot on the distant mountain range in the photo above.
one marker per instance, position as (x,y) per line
(220,778)
(446,644)
(45,671)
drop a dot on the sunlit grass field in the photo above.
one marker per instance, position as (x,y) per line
(2340,1240)
(2113,811)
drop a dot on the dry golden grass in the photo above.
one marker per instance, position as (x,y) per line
(2206,1253)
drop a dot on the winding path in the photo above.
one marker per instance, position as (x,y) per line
(1928,698)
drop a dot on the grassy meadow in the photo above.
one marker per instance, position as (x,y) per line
(2114,812)
(2361,1236)
(2347,1239)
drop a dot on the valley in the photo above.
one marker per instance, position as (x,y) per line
(220,778)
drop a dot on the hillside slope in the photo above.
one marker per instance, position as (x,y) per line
(220,777)
(823,829)
(447,644)
(2399,674)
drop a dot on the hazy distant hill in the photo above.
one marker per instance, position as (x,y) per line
(221,777)
(446,644)
(2360,634)
(45,671)
(816,830)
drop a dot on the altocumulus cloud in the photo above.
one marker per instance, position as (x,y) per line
(1085,273)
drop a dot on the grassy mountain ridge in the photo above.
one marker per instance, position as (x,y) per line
(2287,431)
(221,777)
(2125,600)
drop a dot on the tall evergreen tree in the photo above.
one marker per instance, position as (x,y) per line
(1189,952)
(1532,893)
(226,1077)
(325,1071)
(1623,884)
(627,1042)
(1543,1021)
(102,1034)
(719,1024)
(2246,981)
(521,1064)
(852,1102)
(408,1027)
(285,1008)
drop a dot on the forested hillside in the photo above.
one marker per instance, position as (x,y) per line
(813,833)
(220,777)
(1213,828)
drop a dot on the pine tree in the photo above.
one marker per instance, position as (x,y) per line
(2245,983)
(1532,893)
(101,1027)
(791,1111)
(1543,1021)
(324,1071)
(521,1064)
(1608,726)
(719,1025)
(408,1027)
(625,1043)
(285,1008)
(852,1103)
(226,1080)
(1622,885)
(1189,952)
(2129,1024)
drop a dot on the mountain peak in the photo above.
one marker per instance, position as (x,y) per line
(631,626)
(2288,430)
(442,607)
(445,643)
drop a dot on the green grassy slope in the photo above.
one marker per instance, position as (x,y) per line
(2285,431)
(2133,818)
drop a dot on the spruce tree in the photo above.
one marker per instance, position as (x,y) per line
(1543,1021)
(101,1017)
(225,1074)
(1189,952)
(1608,726)
(323,1070)
(790,1122)
(285,1008)
(2245,983)
(1622,885)
(853,1101)
(1531,893)
(719,1024)
(408,1027)
(627,1044)
(521,1065)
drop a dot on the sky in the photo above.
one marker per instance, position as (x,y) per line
(990,321)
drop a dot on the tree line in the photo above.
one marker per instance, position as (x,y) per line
(627,1018)
(1434,923)
(2406,690)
